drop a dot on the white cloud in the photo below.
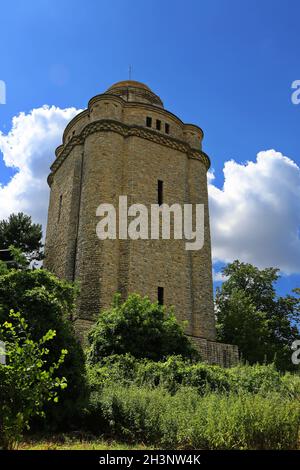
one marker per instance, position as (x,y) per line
(218,276)
(255,217)
(29,147)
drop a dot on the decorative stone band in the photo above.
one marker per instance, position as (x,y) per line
(125,130)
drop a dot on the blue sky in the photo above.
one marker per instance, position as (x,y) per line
(226,65)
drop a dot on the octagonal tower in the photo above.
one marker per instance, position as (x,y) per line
(126,143)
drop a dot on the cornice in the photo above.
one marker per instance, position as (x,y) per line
(109,125)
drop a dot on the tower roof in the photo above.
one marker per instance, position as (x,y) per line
(129,83)
(131,90)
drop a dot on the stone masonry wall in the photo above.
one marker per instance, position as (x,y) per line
(214,352)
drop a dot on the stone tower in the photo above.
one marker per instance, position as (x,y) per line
(126,143)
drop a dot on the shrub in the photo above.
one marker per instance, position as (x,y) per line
(176,371)
(48,303)
(141,328)
(291,385)
(255,379)
(27,381)
(134,413)
(112,369)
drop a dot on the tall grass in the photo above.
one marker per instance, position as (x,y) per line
(175,403)
(188,419)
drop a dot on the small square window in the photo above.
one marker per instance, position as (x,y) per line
(158,124)
(167,128)
(148,121)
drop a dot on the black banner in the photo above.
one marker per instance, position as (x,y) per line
(141,459)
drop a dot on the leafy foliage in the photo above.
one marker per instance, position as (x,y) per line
(27,381)
(48,303)
(179,403)
(189,420)
(175,372)
(251,315)
(3,268)
(19,231)
(138,327)
(20,260)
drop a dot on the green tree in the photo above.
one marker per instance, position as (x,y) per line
(47,303)
(250,314)
(138,327)
(27,380)
(19,231)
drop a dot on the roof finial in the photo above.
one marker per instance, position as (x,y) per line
(129,71)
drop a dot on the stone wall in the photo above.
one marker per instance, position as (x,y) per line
(213,352)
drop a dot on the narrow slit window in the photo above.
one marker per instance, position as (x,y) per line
(160,192)
(158,124)
(59,207)
(167,128)
(160,295)
(148,121)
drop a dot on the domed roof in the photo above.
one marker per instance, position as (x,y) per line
(129,83)
(131,90)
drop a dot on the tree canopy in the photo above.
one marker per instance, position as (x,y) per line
(251,315)
(19,231)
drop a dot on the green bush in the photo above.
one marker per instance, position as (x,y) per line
(27,381)
(176,371)
(291,385)
(189,420)
(112,369)
(256,378)
(133,412)
(141,328)
(48,303)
